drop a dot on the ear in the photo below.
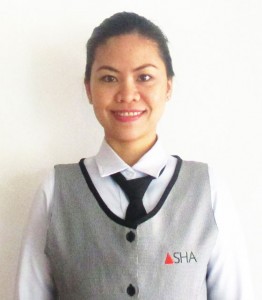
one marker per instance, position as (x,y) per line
(88,91)
(169,88)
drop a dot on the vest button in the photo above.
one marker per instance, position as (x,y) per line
(131,290)
(130,236)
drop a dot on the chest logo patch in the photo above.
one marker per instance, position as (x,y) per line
(180,257)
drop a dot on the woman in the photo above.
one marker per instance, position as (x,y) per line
(131,221)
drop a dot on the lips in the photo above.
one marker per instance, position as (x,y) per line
(127,115)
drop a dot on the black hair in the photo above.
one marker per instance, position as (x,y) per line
(125,23)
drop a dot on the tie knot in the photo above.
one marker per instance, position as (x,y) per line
(134,188)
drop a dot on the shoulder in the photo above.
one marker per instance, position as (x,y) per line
(70,170)
(193,164)
(194,169)
(66,167)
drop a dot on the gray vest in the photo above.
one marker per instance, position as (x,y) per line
(96,255)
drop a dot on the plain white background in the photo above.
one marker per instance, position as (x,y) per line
(214,114)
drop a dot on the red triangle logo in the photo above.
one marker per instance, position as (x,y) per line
(169,260)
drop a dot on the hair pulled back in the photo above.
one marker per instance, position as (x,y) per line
(125,23)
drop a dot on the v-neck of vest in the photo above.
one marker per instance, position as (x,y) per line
(117,219)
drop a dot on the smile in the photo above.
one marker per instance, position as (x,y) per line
(128,116)
(128,113)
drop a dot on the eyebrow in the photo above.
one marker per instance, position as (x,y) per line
(145,66)
(109,68)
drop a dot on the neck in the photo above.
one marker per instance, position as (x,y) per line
(131,152)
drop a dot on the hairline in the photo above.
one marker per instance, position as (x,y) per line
(131,32)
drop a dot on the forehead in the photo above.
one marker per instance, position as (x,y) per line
(128,49)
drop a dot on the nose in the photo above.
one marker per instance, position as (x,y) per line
(127,92)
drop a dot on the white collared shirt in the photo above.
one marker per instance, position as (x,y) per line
(227,274)
(107,162)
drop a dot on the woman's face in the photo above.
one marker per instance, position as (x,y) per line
(128,88)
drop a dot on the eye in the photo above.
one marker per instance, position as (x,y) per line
(109,78)
(144,77)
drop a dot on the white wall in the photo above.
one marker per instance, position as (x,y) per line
(214,115)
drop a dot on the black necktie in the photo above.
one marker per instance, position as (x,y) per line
(134,190)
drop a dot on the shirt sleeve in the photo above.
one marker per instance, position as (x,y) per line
(34,280)
(228,275)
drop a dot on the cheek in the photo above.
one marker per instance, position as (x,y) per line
(101,109)
(98,110)
(102,97)
(158,105)
(100,116)
(157,99)
(157,93)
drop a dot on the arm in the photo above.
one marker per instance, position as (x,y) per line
(228,275)
(34,280)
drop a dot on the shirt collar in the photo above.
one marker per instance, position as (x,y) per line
(151,163)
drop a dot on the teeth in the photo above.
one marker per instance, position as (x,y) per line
(129,114)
